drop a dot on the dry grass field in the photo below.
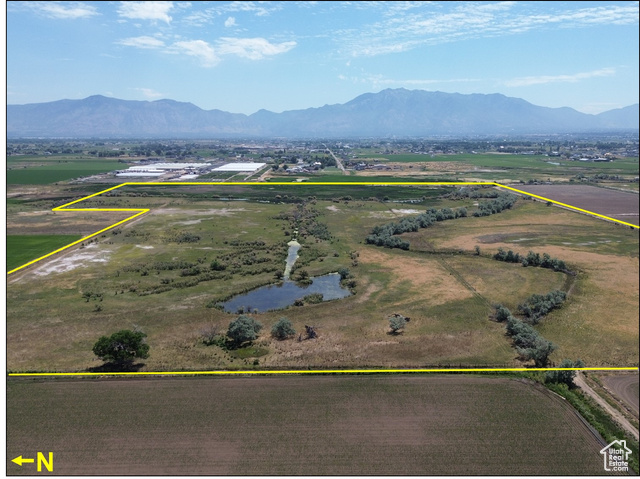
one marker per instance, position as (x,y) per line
(599,322)
(347,425)
(446,290)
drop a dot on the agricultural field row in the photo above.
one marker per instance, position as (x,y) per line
(382,425)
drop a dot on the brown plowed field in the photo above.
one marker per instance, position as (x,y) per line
(297,425)
(615,204)
(625,388)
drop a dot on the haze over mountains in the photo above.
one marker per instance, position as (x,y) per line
(391,112)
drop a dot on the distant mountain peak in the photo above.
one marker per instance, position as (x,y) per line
(395,112)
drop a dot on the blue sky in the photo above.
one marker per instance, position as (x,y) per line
(244,56)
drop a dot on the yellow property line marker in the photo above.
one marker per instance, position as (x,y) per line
(322,371)
(141,211)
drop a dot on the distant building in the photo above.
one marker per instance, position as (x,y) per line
(240,167)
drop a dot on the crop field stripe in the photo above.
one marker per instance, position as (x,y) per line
(568,206)
(141,211)
(323,371)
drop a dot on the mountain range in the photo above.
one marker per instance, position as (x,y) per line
(389,113)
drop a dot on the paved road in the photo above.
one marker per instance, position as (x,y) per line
(625,388)
(617,416)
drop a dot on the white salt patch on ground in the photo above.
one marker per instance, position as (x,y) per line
(144,246)
(214,211)
(406,212)
(79,258)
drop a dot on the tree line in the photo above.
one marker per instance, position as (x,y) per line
(386,235)
(529,344)
(531,259)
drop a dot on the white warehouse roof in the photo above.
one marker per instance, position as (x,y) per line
(139,173)
(240,167)
(168,166)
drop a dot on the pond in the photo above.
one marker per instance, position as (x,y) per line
(279,296)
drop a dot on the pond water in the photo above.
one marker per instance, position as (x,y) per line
(279,296)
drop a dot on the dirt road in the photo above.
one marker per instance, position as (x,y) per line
(617,416)
(338,162)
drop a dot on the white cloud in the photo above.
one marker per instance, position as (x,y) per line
(543,79)
(60,10)
(258,8)
(142,42)
(146,10)
(252,48)
(209,15)
(409,25)
(230,22)
(196,48)
(149,93)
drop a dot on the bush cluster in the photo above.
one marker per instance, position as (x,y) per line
(528,342)
(385,235)
(538,305)
(564,377)
(531,259)
(503,201)
(470,192)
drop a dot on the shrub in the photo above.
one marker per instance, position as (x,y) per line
(397,322)
(283,329)
(243,329)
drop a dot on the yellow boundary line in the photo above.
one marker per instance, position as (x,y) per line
(141,211)
(321,371)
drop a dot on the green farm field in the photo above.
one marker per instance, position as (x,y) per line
(300,425)
(24,248)
(154,275)
(501,166)
(44,171)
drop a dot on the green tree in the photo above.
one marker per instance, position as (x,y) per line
(397,322)
(502,313)
(539,351)
(243,329)
(283,329)
(122,347)
(344,273)
(564,377)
